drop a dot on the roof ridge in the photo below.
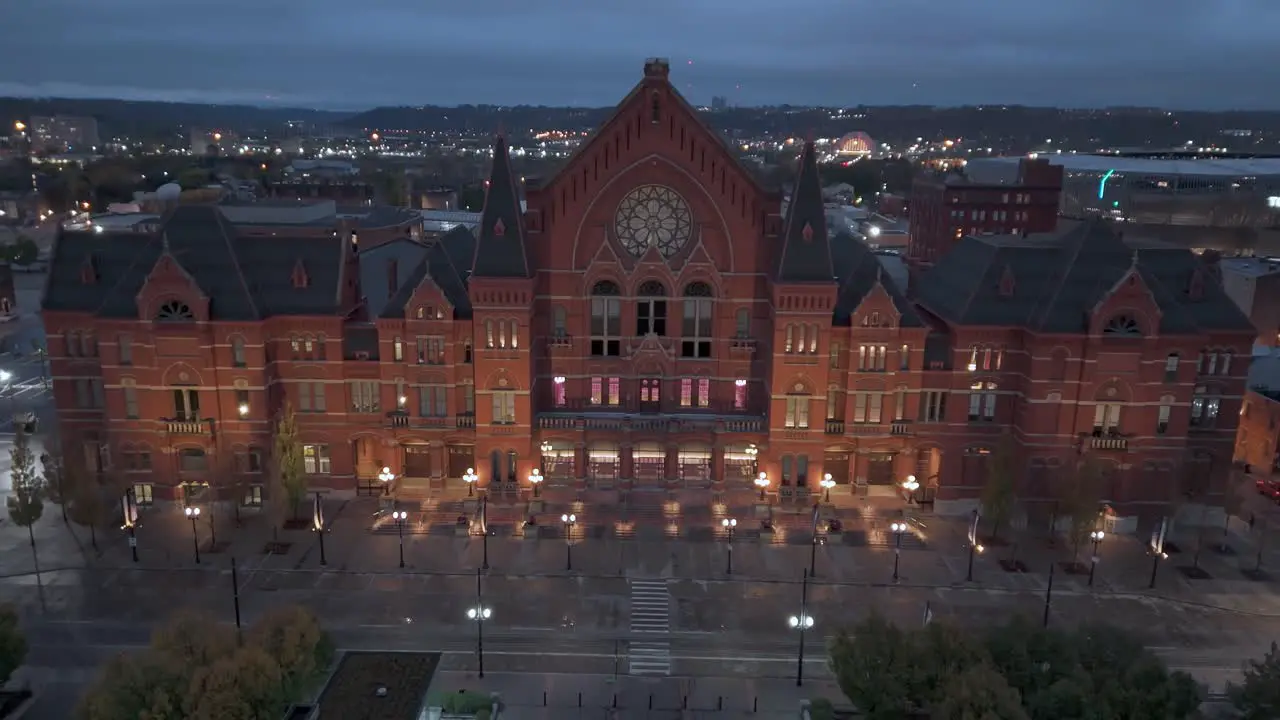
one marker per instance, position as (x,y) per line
(223,226)
(977,286)
(1051,299)
(133,263)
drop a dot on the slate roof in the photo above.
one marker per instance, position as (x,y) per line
(1059,280)
(500,251)
(806,249)
(244,278)
(859,269)
(442,262)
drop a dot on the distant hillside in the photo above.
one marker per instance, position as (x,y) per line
(150,119)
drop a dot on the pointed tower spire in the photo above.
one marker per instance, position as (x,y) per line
(806,250)
(500,250)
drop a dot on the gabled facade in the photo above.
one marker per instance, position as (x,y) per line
(653,319)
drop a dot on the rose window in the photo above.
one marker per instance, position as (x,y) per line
(653,216)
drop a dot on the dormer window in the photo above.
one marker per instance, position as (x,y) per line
(300,278)
(1123,326)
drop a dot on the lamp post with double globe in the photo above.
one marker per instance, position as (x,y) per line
(569,520)
(898,529)
(470,478)
(827,483)
(400,516)
(193,514)
(762,482)
(729,524)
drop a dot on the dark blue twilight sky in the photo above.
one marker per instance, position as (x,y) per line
(349,55)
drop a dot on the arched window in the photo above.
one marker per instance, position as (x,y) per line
(696,329)
(1171,367)
(790,346)
(237,352)
(397,349)
(1122,326)
(559,321)
(495,466)
(1164,413)
(512,462)
(606,320)
(488,334)
(175,311)
(797,410)
(1106,414)
(742,324)
(651,308)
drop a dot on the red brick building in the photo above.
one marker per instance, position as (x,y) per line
(945,208)
(655,319)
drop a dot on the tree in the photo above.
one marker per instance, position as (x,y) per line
(26,502)
(13,646)
(292,636)
(22,251)
(1258,697)
(978,693)
(56,486)
(873,663)
(289,470)
(192,639)
(87,506)
(1232,504)
(1080,502)
(133,686)
(999,493)
(243,686)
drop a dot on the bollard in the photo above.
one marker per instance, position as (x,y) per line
(684,702)
(579,699)
(719,703)
(544,698)
(615,701)
(755,704)
(650,701)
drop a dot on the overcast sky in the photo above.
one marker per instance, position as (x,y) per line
(349,55)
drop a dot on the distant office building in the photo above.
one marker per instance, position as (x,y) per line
(719,102)
(944,209)
(63,134)
(1254,285)
(211,142)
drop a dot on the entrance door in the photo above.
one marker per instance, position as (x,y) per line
(837,464)
(880,469)
(367,465)
(461,457)
(417,461)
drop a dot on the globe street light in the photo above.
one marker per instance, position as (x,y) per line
(910,486)
(762,482)
(545,455)
(1096,536)
(535,479)
(400,516)
(478,614)
(729,525)
(387,477)
(243,409)
(470,478)
(192,514)
(569,521)
(897,528)
(827,483)
(802,622)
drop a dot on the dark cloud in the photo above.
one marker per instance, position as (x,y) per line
(1176,53)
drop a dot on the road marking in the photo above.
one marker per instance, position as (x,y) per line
(650,615)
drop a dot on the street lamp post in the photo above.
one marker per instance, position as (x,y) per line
(569,521)
(729,524)
(898,529)
(974,548)
(1096,536)
(484,529)
(546,449)
(131,520)
(762,482)
(911,486)
(827,483)
(193,513)
(387,477)
(470,478)
(400,516)
(5,378)
(478,615)
(535,479)
(802,622)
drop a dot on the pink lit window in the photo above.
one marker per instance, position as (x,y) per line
(649,392)
(597,391)
(614,393)
(739,394)
(704,392)
(686,392)
(559,392)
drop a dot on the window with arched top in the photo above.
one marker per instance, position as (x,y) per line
(1122,326)
(559,322)
(175,311)
(1164,414)
(742,324)
(606,319)
(696,323)
(797,415)
(651,308)
(237,351)
(982,401)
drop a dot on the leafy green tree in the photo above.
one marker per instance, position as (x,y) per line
(290,473)
(245,686)
(193,639)
(874,664)
(56,485)
(136,686)
(26,501)
(84,499)
(13,646)
(978,693)
(1258,697)
(999,491)
(1080,503)
(22,251)
(941,651)
(293,638)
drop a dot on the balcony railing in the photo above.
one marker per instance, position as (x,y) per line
(402,419)
(835,427)
(1108,442)
(632,406)
(900,427)
(464,420)
(182,426)
(743,345)
(652,424)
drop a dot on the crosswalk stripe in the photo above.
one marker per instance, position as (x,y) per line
(651,617)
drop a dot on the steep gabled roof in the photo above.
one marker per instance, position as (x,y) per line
(806,249)
(438,265)
(859,270)
(500,251)
(1059,281)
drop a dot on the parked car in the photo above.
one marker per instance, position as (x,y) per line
(1269,488)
